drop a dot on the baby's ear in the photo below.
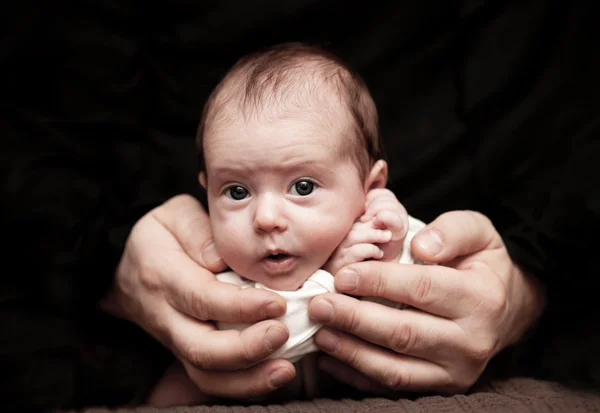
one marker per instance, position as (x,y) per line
(202,179)
(377,177)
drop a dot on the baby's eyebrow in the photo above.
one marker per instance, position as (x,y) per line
(240,169)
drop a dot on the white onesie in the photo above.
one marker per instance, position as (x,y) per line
(301,327)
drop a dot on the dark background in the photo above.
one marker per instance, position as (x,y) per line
(484,105)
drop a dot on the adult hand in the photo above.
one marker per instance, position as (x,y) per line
(164,284)
(465,311)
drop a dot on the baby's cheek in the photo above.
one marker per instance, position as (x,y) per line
(330,236)
(229,241)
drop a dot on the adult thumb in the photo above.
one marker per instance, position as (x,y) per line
(185,218)
(454,234)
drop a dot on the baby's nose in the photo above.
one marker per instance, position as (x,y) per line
(269,215)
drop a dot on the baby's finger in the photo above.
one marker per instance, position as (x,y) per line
(385,204)
(352,255)
(361,252)
(381,205)
(378,194)
(364,233)
(392,222)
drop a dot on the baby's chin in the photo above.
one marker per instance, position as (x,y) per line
(285,282)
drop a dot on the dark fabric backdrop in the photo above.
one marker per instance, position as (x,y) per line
(485,105)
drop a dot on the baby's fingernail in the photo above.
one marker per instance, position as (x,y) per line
(430,241)
(386,235)
(280,377)
(210,254)
(347,280)
(276,337)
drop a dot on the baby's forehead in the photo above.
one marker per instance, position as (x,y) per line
(316,107)
(305,124)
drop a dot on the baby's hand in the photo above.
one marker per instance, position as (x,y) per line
(387,213)
(378,234)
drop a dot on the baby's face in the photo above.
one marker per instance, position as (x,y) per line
(281,198)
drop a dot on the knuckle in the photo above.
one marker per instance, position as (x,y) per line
(359,383)
(481,352)
(477,217)
(200,358)
(466,383)
(256,388)
(496,302)
(352,356)
(379,284)
(244,356)
(244,308)
(352,323)
(196,302)
(447,216)
(148,276)
(354,251)
(403,338)
(357,253)
(396,379)
(458,385)
(422,291)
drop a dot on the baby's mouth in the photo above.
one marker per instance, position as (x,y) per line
(279,262)
(277,257)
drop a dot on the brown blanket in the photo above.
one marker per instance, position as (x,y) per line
(514,396)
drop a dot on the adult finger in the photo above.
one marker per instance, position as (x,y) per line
(197,293)
(454,234)
(409,332)
(342,372)
(186,219)
(256,381)
(395,371)
(434,289)
(206,348)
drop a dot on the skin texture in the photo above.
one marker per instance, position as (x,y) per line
(265,162)
(165,284)
(276,187)
(465,311)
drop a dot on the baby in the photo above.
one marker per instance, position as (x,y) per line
(291,161)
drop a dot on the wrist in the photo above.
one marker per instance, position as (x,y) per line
(532,297)
(110,302)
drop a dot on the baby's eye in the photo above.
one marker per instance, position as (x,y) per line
(236,192)
(303,188)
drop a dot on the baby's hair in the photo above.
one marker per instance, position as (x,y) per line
(275,80)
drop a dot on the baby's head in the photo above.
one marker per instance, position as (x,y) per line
(288,148)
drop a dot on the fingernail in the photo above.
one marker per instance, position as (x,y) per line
(273,309)
(280,377)
(430,241)
(327,341)
(347,280)
(275,337)
(210,255)
(387,235)
(321,311)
